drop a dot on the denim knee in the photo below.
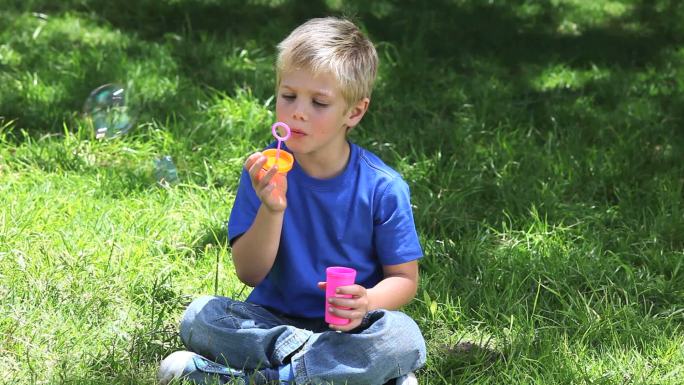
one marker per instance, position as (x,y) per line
(401,332)
(410,347)
(190,317)
(390,346)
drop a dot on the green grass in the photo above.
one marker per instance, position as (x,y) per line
(542,141)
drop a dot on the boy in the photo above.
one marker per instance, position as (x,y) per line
(339,206)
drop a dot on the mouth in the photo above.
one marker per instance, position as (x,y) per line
(297,132)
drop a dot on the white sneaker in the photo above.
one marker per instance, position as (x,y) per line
(173,366)
(407,379)
(197,369)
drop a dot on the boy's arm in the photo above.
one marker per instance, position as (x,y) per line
(397,288)
(254,252)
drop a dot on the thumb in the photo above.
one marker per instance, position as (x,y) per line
(252,159)
(321,285)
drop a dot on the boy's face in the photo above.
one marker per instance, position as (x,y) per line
(316,111)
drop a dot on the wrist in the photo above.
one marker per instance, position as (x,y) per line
(372,302)
(272,212)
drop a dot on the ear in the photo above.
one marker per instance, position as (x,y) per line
(356,112)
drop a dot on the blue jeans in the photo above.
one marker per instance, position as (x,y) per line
(246,336)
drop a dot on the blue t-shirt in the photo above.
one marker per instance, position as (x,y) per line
(360,218)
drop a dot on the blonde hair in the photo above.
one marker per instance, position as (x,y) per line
(335,46)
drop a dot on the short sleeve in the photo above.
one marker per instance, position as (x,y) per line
(244,208)
(395,237)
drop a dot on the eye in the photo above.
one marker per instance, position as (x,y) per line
(319,104)
(288,96)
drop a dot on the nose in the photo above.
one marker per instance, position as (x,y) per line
(298,115)
(298,112)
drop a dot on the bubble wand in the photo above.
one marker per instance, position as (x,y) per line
(281,139)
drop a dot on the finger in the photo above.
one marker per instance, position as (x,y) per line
(256,167)
(344,302)
(266,191)
(322,285)
(266,179)
(352,314)
(355,290)
(251,159)
(280,180)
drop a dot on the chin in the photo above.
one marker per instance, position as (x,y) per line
(294,147)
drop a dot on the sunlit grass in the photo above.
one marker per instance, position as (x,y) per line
(543,154)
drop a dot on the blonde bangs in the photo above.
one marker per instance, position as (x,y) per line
(332,46)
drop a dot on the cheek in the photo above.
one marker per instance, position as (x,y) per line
(280,108)
(319,122)
(322,116)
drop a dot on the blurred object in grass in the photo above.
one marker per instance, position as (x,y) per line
(107,111)
(165,171)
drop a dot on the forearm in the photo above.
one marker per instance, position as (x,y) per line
(255,251)
(393,292)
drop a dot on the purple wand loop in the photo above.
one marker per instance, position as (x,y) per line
(281,139)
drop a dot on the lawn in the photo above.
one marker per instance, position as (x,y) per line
(543,142)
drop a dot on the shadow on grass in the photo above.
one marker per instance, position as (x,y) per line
(216,235)
(443,36)
(467,352)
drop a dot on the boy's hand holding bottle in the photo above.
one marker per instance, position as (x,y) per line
(270,186)
(357,306)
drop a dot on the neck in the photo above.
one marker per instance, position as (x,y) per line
(326,165)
